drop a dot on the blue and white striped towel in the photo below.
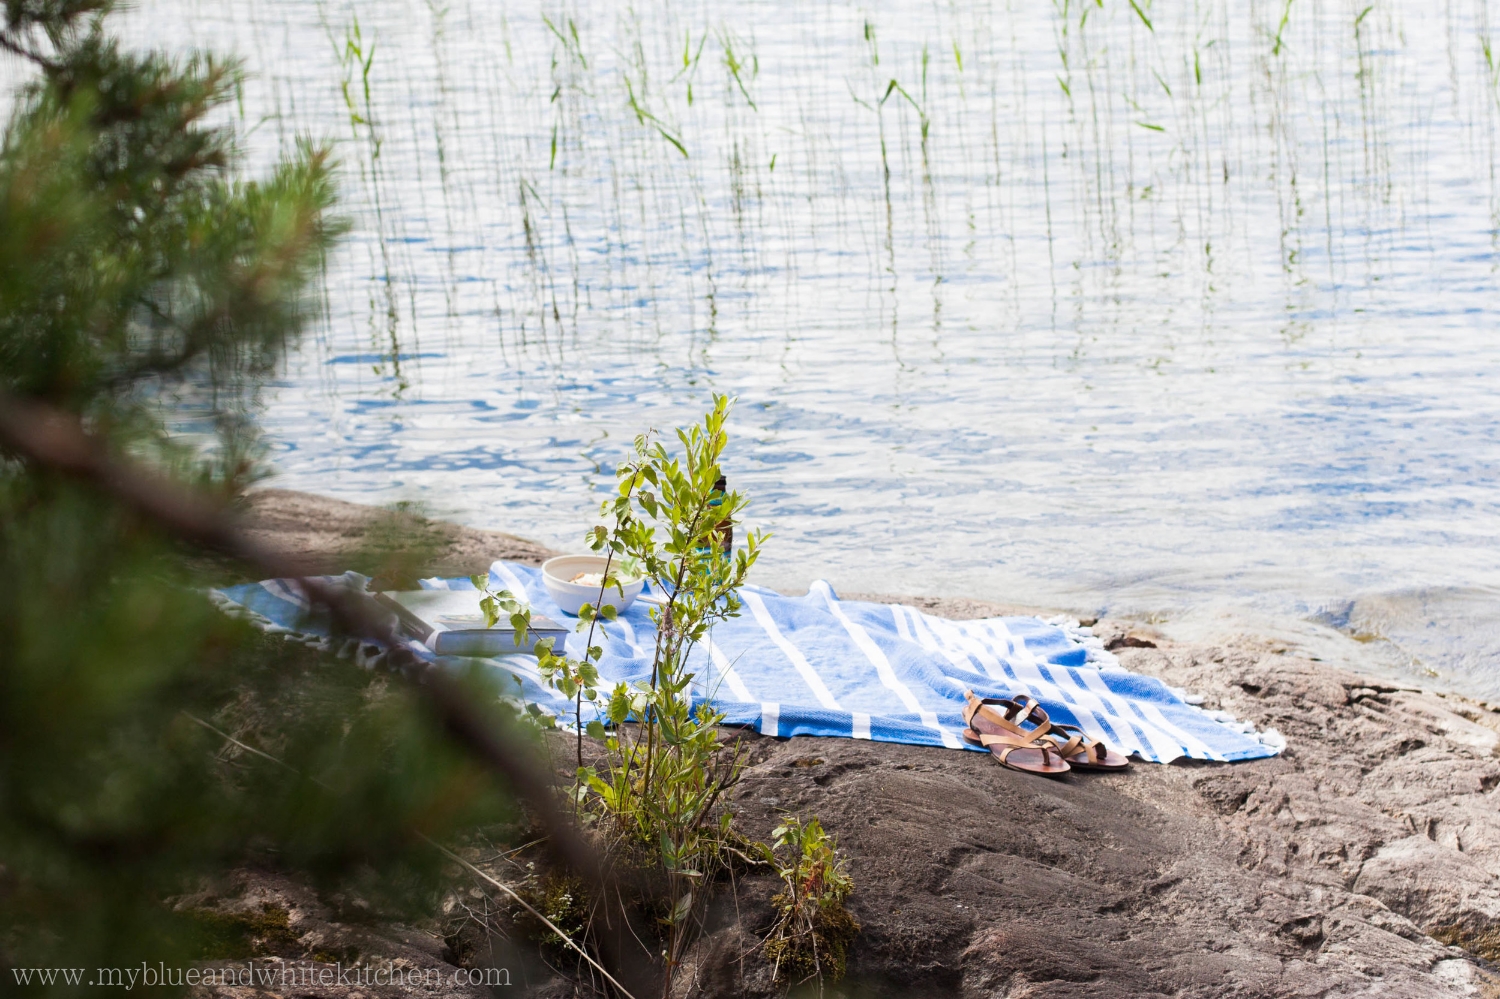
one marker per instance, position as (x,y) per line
(818,665)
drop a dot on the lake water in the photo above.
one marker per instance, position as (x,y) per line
(1184,310)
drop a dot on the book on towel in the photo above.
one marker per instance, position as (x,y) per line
(451,623)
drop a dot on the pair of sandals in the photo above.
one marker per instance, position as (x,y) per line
(1000,724)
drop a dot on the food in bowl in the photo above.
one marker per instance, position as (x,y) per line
(574,580)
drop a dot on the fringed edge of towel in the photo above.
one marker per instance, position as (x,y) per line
(369,655)
(366,654)
(1108,662)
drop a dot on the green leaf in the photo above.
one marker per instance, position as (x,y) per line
(595,730)
(668,854)
(619,703)
(683,908)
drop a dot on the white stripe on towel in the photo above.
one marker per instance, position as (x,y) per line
(809,675)
(509,580)
(883,666)
(770,718)
(923,636)
(726,670)
(1189,741)
(283,589)
(1123,717)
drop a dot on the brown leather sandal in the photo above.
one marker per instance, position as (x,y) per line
(1011,745)
(1082,751)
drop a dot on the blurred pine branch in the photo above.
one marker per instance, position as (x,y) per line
(140,275)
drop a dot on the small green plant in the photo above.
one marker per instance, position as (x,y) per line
(658,792)
(356,60)
(665,773)
(563,900)
(813,929)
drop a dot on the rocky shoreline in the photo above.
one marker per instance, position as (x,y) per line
(1365,860)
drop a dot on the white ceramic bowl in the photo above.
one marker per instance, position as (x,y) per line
(557,576)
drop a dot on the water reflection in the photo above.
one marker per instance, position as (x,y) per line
(1183,310)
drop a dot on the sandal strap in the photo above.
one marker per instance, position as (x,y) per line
(973,704)
(1028,709)
(1069,749)
(1096,749)
(1004,754)
(1020,741)
(1011,743)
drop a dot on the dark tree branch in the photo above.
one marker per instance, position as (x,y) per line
(14,47)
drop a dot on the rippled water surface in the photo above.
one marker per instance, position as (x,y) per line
(1184,310)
